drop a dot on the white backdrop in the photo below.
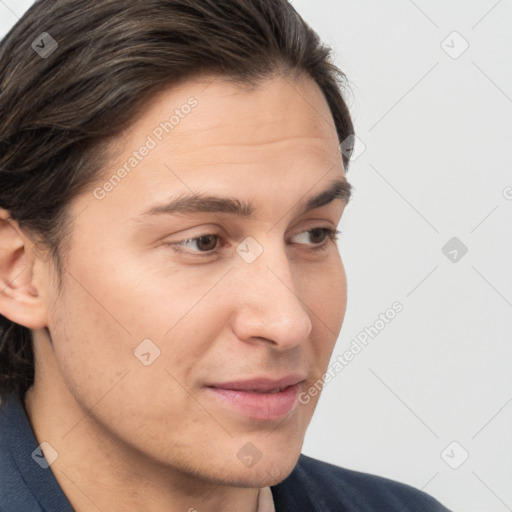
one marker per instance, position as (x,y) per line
(428,399)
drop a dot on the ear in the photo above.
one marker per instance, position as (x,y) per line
(23,276)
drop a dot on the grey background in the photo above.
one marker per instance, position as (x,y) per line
(433,163)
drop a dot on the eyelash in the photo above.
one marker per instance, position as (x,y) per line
(332,235)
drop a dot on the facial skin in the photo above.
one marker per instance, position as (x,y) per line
(136,437)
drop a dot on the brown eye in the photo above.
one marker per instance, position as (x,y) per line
(206,242)
(318,239)
(204,245)
(318,235)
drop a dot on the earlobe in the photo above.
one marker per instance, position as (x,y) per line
(22,293)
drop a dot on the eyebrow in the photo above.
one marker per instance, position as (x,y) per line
(200,203)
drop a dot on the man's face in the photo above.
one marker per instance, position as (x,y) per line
(155,344)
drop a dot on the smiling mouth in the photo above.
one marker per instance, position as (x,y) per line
(259,399)
(272,391)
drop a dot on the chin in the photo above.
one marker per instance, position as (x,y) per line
(271,469)
(268,471)
(257,478)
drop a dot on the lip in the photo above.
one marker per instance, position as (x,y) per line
(261,384)
(260,398)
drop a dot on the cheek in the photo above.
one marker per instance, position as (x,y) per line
(120,322)
(327,294)
(95,358)
(327,302)
(91,348)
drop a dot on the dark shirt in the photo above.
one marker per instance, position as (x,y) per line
(313,486)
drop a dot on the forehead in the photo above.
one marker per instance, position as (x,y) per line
(197,117)
(214,137)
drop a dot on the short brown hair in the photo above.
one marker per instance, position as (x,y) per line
(66,90)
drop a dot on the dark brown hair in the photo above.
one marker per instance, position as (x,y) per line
(74,73)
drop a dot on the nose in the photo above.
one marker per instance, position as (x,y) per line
(268,306)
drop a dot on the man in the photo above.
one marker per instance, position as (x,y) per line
(170,187)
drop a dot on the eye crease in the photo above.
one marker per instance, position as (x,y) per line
(327,235)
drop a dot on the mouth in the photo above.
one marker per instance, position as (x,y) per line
(260,399)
